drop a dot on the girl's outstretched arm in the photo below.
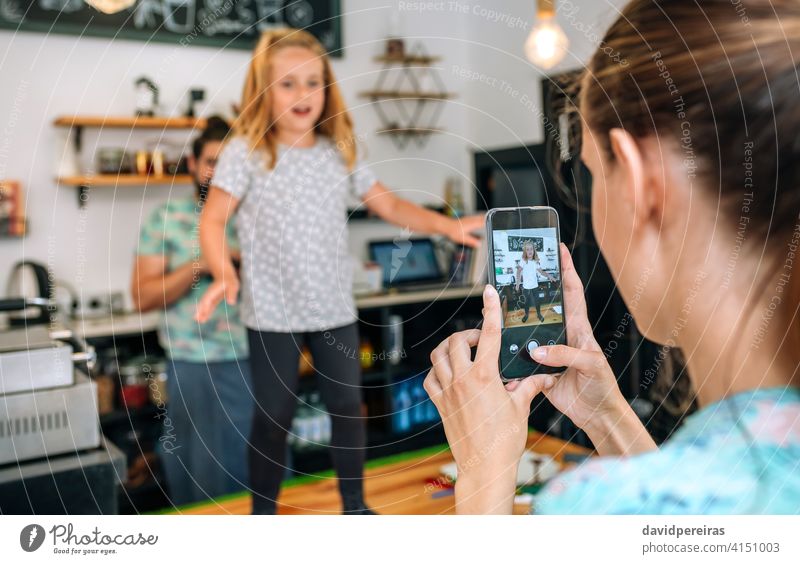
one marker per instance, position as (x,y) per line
(218,208)
(548,276)
(383,202)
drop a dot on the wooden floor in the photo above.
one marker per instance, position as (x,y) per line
(514,318)
(412,486)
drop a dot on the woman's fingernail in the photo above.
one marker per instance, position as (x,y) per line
(487,291)
(539,353)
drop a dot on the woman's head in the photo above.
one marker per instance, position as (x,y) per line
(692,137)
(290,88)
(529,251)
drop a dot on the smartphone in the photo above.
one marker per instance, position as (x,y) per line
(525,267)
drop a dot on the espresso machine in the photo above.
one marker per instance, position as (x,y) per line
(48,402)
(53,457)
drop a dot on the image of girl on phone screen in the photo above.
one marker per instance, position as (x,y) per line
(528,270)
(286,173)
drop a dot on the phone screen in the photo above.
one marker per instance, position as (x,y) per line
(525,267)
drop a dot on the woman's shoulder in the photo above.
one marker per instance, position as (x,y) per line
(668,481)
(607,485)
(711,465)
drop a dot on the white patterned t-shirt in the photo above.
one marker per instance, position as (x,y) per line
(291,221)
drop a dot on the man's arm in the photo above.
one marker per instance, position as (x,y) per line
(152,287)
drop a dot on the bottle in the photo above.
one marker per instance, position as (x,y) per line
(326,428)
(301,423)
(403,408)
(365,353)
(418,397)
(315,420)
(395,333)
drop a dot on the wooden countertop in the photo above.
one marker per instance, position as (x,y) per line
(130,323)
(404,484)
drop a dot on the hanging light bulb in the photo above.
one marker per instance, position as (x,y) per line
(110,6)
(547,43)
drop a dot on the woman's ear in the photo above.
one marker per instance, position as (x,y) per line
(632,178)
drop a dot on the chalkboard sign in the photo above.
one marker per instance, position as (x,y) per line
(515,243)
(221,23)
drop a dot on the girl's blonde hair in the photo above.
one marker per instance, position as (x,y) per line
(255,120)
(530,244)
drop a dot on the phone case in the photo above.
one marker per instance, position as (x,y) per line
(491,266)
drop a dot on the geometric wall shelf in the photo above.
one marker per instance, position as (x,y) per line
(408,96)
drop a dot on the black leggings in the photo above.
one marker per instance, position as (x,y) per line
(274,360)
(532,295)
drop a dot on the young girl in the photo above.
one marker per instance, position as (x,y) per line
(528,275)
(669,228)
(287,173)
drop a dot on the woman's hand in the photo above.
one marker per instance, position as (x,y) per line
(486,423)
(587,392)
(227,289)
(459,229)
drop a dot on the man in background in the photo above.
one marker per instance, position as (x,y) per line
(210,401)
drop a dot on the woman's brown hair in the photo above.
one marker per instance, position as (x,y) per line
(255,122)
(719,79)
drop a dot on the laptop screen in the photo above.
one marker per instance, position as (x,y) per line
(406,261)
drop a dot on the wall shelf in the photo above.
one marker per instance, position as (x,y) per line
(409,60)
(130,122)
(408,96)
(76,125)
(409,130)
(124,180)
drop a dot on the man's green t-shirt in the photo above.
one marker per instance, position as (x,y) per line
(172,231)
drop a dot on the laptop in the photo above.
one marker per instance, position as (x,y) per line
(409,264)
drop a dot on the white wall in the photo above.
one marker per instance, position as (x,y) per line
(504,88)
(45,76)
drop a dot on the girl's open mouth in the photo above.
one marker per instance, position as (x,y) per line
(301,111)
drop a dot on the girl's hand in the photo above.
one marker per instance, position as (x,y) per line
(587,392)
(486,423)
(458,229)
(227,289)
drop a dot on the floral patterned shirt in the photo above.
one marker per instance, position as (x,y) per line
(172,231)
(737,455)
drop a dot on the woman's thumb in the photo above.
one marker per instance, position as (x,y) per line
(528,388)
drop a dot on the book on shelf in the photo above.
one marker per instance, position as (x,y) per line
(12,209)
(469,265)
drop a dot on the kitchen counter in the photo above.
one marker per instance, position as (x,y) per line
(131,323)
(118,324)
